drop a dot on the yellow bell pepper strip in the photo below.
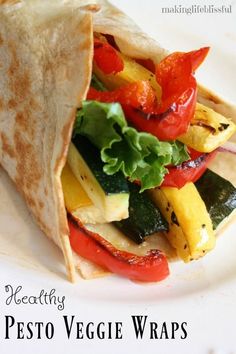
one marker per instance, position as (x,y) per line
(190,227)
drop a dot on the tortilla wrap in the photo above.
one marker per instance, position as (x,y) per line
(46,52)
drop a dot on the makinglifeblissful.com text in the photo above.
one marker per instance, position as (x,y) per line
(197,9)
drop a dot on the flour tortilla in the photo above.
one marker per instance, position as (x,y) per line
(46,50)
(45,70)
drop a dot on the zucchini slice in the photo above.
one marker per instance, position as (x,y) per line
(219,196)
(190,226)
(77,201)
(108,193)
(208,130)
(144,217)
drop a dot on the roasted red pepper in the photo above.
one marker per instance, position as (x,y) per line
(169,118)
(138,95)
(189,171)
(172,116)
(198,56)
(90,245)
(169,124)
(107,58)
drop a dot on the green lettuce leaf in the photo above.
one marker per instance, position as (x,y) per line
(140,156)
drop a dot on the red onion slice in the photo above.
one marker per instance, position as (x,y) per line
(228,147)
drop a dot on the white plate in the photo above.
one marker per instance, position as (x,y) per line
(202,293)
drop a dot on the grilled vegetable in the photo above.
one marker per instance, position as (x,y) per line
(77,201)
(188,171)
(137,94)
(151,267)
(109,193)
(219,196)
(106,57)
(190,227)
(208,130)
(74,195)
(170,117)
(132,72)
(144,217)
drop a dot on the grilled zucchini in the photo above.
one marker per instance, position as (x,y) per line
(77,201)
(219,195)
(108,193)
(144,218)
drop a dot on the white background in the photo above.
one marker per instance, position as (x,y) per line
(202,294)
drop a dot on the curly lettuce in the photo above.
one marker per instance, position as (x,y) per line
(138,155)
